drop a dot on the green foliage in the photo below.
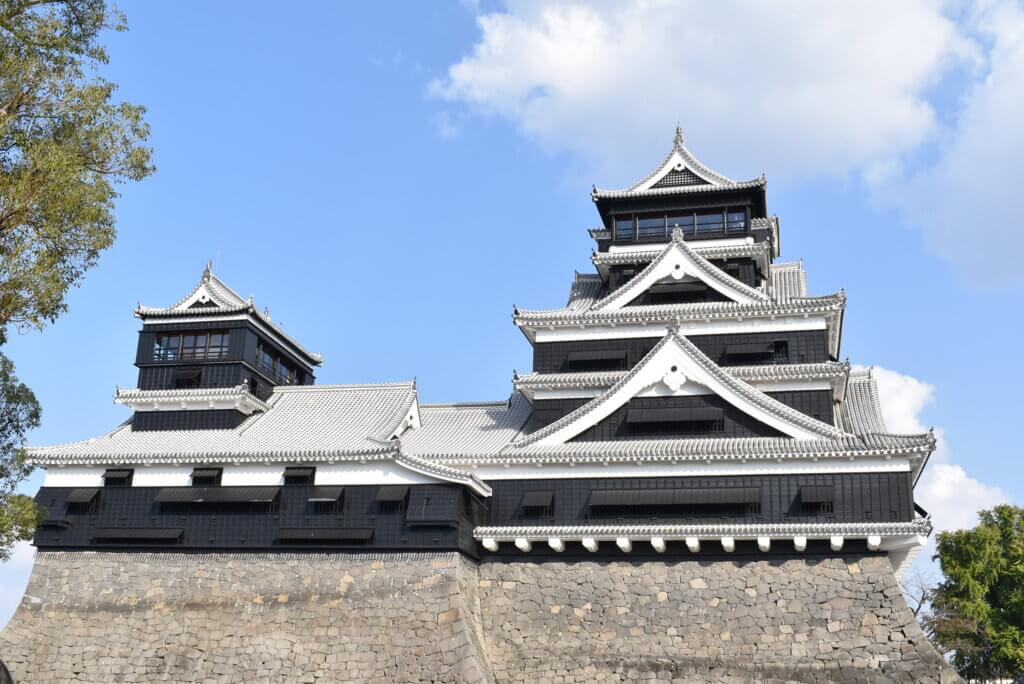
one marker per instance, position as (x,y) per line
(19,412)
(64,143)
(978,611)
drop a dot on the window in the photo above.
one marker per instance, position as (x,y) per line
(817,500)
(780,351)
(683,222)
(624,228)
(166,347)
(651,227)
(392,499)
(299,475)
(710,223)
(714,222)
(192,346)
(118,477)
(273,365)
(185,378)
(206,477)
(218,348)
(736,221)
(537,505)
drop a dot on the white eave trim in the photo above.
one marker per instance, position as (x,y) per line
(220,398)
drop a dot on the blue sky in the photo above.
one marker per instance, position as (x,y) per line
(389,181)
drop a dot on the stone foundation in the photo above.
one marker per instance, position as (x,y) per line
(139,617)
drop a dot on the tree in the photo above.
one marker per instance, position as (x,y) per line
(64,144)
(978,611)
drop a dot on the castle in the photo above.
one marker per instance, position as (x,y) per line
(689,485)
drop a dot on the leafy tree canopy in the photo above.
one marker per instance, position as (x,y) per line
(64,144)
(978,611)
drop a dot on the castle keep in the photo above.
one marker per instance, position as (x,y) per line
(689,486)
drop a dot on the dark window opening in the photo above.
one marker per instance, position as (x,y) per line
(601,360)
(187,378)
(676,428)
(299,475)
(392,499)
(537,505)
(118,477)
(619,276)
(327,499)
(672,422)
(756,353)
(344,536)
(206,477)
(815,500)
(83,501)
(678,293)
(780,351)
(707,503)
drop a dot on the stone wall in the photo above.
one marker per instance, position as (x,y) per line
(105,617)
(122,617)
(839,619)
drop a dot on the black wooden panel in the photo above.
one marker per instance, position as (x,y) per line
(816,403)
(857,497)
(803,346)
(205,419)
(242,525)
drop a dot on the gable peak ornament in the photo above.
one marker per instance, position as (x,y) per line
(674,378)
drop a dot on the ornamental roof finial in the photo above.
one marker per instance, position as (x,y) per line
(208,271)
(679,135)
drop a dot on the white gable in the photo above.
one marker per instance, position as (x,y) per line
(681,160)
(678,262)
(676,367)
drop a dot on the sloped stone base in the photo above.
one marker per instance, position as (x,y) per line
(140,617)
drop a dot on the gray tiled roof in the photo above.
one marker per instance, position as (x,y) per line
(309,422)
(601,193)
(828,370)
(679,159)
(861,413)
(788,281)
(751,250)
(448,430)
(788,289)
(668,313)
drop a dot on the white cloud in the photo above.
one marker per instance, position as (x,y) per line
(962,202)
(799,89)
(945,489)
(13,579)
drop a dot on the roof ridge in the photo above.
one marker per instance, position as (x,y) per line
(404,384)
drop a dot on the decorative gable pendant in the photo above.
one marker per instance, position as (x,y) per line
(674,379)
